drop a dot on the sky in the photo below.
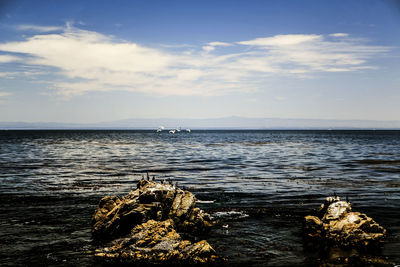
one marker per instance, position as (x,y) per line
(96,61)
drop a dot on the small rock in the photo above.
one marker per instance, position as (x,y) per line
(340,226)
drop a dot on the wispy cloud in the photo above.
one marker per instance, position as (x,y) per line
(208,48)
(8,58)
(4,94)
(339,34)
(38,28)
(90,61)
(212,45)
(219,44)
(282,40)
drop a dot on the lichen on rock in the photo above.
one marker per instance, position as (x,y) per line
(337,225)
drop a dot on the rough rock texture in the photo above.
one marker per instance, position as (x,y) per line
(338,225)
(151,200)
(158,242)
(145,225)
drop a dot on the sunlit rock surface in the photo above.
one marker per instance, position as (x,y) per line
(337,225)
(158,242)
(145,225)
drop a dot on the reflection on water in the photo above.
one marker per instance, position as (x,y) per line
(51,182)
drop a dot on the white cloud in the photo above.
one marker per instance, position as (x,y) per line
(8,74)
(313,53)
(282,40)
(37,28)
(339,34)
(8,58)
(208,48)
(211,46)
(90,61)
(219,44)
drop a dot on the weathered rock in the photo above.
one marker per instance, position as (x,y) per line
(151,200)
(339,226)
(158,242)
(145,223)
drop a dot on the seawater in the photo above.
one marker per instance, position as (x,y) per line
(257,184)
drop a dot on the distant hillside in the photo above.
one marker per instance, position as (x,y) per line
(217,123)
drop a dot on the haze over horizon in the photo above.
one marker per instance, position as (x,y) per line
(225,123)
(99,61)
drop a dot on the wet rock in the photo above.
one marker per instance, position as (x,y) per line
(158,242)
(336,224)
(145,225)
(151,200)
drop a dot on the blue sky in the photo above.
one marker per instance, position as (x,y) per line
(94,61)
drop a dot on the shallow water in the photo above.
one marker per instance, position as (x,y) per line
(258,184)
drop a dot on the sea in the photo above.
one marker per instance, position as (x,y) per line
(257,184)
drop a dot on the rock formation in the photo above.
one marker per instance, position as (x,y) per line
(337,225)
(157,242)
(145,225)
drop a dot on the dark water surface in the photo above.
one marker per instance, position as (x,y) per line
(259,184)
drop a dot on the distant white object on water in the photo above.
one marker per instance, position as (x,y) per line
(160,129)
(188,130)
(172,131)
(178,129)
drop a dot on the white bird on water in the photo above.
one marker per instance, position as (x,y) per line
(160,129)
(188,130)
(172,131)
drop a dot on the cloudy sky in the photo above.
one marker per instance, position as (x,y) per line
(94,61)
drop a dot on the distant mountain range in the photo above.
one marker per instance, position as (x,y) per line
(216,123)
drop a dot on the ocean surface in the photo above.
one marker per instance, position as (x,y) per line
(257,184)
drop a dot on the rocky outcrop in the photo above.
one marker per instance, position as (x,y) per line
(145,225)
(151,200)
(158,242)
(337,225)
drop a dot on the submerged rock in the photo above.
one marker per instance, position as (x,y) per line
(145,225)
(339,226)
